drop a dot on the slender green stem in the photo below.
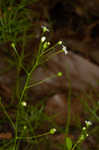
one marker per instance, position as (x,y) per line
(7,115)
(68,106)
(41,81)
(26,86)
(23,93)
(68,116)
(38,136)
(74,146)
(56,53)
(49,49)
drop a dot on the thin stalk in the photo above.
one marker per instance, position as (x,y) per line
(74,146)
(56,53)
(33,137)
(25,88)
(7,115)
(68,114)
(46,51)
(68,106)
(41,81)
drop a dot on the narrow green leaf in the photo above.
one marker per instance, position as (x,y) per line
(68,143)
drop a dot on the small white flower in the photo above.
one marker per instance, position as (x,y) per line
(45,29)
(43,38)
(24,103)
(88,123)
(64,48)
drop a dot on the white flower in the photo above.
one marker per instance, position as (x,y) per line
(24,103)
(45,29)
(88,123)
(43,38)
(64,48)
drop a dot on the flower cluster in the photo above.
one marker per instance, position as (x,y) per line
(84,133)
(64,48)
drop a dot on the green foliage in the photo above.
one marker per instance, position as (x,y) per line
(14,20)
(68,143)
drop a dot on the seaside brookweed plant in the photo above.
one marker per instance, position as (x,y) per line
(43,49)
